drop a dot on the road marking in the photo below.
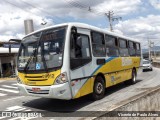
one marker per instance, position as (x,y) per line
(2,117)
(13,108)
(7,86)
(20,109)
(22,118)
(13,98)
(15,84)
(8,90)
(2,94)
(16,108)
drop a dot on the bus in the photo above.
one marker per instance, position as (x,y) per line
(71,60)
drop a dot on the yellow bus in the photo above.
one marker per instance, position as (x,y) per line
(71,60)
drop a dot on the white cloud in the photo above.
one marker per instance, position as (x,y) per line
(122,7)
(12,22)
(141,28)
(13,14)
(155,3)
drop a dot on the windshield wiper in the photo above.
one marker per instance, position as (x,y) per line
(29,60)
(32,55)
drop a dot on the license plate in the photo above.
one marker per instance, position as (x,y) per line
(36,89)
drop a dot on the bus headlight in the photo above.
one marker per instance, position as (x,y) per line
(62,78)
(19,80)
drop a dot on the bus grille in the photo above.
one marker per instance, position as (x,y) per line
(35,78)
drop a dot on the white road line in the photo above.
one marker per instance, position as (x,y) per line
(2,94)
(7,86)
(17,108)
(17,118)
(22,118)
(28,110)
(15,84)
(13,98)
(13,108)
(8,90)
(20,109)
(2,118)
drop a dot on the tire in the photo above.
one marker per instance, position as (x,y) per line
(133,79)
(98,88)
(151,69)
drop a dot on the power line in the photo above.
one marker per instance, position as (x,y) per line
(83,7)
(18,7)
(109,14)
(40,9)
(28,11)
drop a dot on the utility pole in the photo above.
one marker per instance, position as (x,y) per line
(111,18)
(150,45)
(154,51)
(149,49)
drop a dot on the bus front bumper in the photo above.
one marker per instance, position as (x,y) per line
(61,91)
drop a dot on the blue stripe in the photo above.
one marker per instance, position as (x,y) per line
(108,60)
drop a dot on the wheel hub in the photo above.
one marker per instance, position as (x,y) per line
(99,88)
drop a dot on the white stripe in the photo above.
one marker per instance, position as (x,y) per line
(13,108)
(15,84)
(7,86)
(8,90)
(20,109)
(2,117)
(13,98)
(22,118)
(1,94)
(28,110)
(16,118)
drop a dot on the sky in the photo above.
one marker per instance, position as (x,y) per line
(140,18)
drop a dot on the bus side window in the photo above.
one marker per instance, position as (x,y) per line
(111,46)
(123,48)
(138,49)
(132,50)
(98,44)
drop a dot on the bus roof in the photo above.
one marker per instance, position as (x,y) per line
(87,26)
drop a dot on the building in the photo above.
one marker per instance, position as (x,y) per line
(8,61)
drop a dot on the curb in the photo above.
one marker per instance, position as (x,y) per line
(122,103)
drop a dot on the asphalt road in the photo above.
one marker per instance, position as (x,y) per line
(10,100)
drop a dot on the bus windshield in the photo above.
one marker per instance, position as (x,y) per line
(42,51)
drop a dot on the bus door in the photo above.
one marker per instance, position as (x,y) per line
(80,60)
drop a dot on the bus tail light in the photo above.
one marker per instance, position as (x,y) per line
(62,78)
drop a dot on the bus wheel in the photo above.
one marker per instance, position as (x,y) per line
(98,88)
(133,79)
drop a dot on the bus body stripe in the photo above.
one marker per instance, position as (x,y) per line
(108,60)
(92,75)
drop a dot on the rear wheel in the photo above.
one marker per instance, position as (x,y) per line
(98,88)
(133,79)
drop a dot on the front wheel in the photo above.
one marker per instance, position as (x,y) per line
(98,88)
